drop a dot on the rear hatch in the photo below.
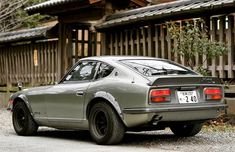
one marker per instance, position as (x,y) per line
(186,90)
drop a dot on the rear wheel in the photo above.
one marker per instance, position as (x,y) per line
(22,120)
(186,130)
(105,125)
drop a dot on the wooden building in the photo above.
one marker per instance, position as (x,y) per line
(107,27)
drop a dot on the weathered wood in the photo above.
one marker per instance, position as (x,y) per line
(121,43)
(221,39)
(144,41)
(163,41)
(213,37)
(157,44)
(126,43)
(116,43)
(150,40)
(111,45)
(104,44)
(230,40)
(138,42)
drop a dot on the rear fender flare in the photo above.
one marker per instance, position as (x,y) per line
(109,98)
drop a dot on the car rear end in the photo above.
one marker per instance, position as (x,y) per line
(182,96)
(187,98)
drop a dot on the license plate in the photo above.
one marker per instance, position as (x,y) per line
(187,96)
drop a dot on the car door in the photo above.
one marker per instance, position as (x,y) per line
(65,100)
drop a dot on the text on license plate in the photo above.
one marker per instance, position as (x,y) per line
(187,96)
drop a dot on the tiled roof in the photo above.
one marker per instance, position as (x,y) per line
(24,34)
(49,3)
(166,10)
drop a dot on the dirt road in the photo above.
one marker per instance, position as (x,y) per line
(51,140)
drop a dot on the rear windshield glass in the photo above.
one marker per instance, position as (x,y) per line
(157,67)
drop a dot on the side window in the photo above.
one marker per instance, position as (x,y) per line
(104,70)
(83,71)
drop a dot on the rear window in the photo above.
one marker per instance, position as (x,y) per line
(151,68)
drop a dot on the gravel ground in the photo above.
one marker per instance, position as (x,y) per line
(214,139)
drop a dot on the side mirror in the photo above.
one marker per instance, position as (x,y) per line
(20,85)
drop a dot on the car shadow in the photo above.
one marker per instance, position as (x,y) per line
(140,139)
(66,134)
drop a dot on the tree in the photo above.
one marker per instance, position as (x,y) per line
(13,16)
(192,39)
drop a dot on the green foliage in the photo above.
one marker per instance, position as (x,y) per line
(33,20)
(192,39)
(14,16)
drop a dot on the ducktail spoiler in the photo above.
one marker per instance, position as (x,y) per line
(163,81)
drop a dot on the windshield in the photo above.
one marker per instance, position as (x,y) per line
(157,67)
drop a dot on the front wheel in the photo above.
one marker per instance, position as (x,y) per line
(22,120)
(186,130)
(105,125)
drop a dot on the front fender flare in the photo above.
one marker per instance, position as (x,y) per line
(25,100)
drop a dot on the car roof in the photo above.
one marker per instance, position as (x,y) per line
(117,58)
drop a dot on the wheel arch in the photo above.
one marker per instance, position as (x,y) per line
(24,99)
(110,100)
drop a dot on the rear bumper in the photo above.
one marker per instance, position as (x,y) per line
(177,108)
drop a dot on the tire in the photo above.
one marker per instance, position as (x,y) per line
(186,130)
(106,127)
(23,122)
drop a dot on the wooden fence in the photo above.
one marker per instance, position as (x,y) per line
(151,40)
(34,63)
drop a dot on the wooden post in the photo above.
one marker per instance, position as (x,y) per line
(157,46)
(69,48)
(230,40)
(144,41)
(221,39)
(138,41)
(121,43)
(116,43)
(103,44)
(213,36)
(126,42)
(163,42)
(61,50)
(150,40)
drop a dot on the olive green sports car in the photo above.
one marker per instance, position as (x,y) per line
(110,95)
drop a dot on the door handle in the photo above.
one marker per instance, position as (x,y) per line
(79,93)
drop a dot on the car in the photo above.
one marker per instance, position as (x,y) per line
(109,95)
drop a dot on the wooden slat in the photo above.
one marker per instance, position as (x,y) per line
(132,41)
(169,48)
(76,45)
(48,62)
(157,44)
(126,43)
(150,41)
(111,45)
(116,43)
(144,41)
(230,40)
(138,42)
(221,39)
(83,44)
(163,42)
(213,36)
(94,53)
(121,43)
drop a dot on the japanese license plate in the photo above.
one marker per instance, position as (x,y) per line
(187,96)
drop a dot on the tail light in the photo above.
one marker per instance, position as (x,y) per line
(213,93)
(160,95)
